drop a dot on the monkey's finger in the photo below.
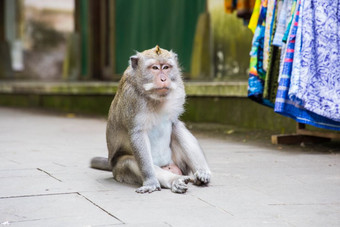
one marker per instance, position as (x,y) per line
(156,189)
(179,188)
(180,185)
(191,180)
(202,177)
(186,180)
(201,181)
(147,189)
(144,190)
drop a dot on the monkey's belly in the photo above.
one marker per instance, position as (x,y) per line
(160,137)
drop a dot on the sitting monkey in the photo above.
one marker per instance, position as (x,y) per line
(147,143)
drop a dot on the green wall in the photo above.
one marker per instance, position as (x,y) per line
(143,24)
(240,112)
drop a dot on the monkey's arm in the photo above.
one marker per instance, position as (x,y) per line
(142,151)
(183,140)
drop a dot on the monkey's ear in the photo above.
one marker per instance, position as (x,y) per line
(134,61)
(174,55)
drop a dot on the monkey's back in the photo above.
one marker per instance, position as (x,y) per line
(120,119)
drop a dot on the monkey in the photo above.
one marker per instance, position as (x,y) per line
(147,143)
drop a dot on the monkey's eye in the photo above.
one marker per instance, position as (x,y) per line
(166,67)
(155,67)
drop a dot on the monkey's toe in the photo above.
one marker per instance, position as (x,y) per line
(202,177)
(180,185)
(148,189)
(186,179)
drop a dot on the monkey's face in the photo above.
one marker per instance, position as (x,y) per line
(158,72)
(161,80)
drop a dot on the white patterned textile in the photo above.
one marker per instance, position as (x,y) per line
(270,17)
(316,71)
(295,77)
(282,22)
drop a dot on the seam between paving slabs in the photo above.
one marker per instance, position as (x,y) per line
(66,193)
(212,205)
(107,212)
(49,174)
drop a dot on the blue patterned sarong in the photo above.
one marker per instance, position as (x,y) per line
(283,104)
(315,82)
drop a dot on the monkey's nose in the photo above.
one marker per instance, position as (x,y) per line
(163,78)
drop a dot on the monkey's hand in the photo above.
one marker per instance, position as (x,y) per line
(149,186)
(180,184)
(202,177)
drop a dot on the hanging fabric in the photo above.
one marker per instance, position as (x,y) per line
(295,59)
(243,8)
(316,77)
(255,16)
(271,80)
(257,74)
(271,8)
(282,22)
(284,105)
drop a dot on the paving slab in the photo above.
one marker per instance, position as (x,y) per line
(68,209)
(45,180)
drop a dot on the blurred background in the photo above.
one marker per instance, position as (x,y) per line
(75,40)
(68,56)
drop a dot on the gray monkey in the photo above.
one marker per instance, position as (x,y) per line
(147,143)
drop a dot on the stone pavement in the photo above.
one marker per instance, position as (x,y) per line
(45,180)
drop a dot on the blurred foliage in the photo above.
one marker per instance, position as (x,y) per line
(232,44)
(43,36)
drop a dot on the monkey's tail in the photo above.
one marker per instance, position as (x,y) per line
(100,163)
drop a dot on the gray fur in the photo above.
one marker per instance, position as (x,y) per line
(100,163)
(135,115)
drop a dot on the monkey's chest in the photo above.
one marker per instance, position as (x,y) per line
(160,136)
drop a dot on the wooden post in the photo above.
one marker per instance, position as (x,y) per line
(301,130)
(306,136)
(2,21)
(109,41)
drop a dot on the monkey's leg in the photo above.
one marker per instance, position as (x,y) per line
(187,151)
(126,170)
(167,179)
(141,147)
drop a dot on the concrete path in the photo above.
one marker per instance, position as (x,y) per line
(45,180)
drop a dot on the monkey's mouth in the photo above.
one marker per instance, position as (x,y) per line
(162,91)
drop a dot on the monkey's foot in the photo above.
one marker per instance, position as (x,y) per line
(180,184)
(149,187)
(202,177)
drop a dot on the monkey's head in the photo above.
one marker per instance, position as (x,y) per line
(156,72)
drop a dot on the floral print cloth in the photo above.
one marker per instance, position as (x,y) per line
(256,72)
(268,31)
(283,104)
(315,82)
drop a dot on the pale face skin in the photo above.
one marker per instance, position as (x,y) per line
(161,79)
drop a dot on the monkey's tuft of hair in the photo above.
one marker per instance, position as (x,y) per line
(157,53)
(157,50)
